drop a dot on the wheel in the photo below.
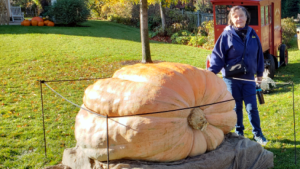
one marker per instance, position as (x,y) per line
(207,63)
(269,66)
(284,57)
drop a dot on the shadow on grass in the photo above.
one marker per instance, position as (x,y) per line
(287,160)
(92,28)
(289,73)
(289,157)
(280,88)
(287,141)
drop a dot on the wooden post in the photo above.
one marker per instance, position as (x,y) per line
(8,8)
(4,12)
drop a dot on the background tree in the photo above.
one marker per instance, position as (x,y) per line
(39,6)
(162,14)
(289,8)
(96,6)
(69,12)
(146,56)
(203,5)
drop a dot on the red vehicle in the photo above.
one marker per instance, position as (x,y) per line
(265,20)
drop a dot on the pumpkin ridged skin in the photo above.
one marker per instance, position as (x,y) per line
(145,88)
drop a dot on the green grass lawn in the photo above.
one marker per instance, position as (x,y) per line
(29,54)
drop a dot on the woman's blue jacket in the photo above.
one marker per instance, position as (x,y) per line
(229,49)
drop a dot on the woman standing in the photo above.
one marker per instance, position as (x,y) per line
(230,49)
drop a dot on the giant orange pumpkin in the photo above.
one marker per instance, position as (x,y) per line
(145,88)
(38,19)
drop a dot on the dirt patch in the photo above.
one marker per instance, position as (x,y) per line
(166,39)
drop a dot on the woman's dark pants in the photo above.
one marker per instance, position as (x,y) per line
(244,91)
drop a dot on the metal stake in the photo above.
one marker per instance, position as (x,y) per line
(45,144)
(294,126)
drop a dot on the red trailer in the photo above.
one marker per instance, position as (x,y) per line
(265,20)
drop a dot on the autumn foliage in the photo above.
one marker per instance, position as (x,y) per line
(288,30)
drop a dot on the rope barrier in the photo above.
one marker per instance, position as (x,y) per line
(257,81)
(166,111)
(72,102)
(43,81)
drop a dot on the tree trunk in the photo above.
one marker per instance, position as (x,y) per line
(146,57)
(162,15)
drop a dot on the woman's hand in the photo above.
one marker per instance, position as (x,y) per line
(259,79)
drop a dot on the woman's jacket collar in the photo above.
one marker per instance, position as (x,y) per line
(230,29)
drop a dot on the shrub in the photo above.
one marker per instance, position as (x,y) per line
(202,31)
(197,40)
(105,10)
(177,27)
(186,21)
(159,31)
(209,27)
(96,7)
(153,21)
(288,30)
(152,34)
(169,30)
(181,37)
(69,12)
(182,40)
(203,7)
(118,12)
(181,33)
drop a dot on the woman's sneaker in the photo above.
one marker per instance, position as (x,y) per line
(261,140)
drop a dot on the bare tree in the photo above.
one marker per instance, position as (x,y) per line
(146,57)
(162,15)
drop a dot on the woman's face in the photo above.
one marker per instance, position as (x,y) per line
(239,18)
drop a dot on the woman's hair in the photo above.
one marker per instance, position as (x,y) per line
(236,8)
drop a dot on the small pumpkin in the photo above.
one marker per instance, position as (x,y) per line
(38,19)
(50,23)
(169,136)
(34,22)
(46,22)
(26,23)
(40,23)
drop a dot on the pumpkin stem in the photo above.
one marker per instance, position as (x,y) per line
(197,119)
